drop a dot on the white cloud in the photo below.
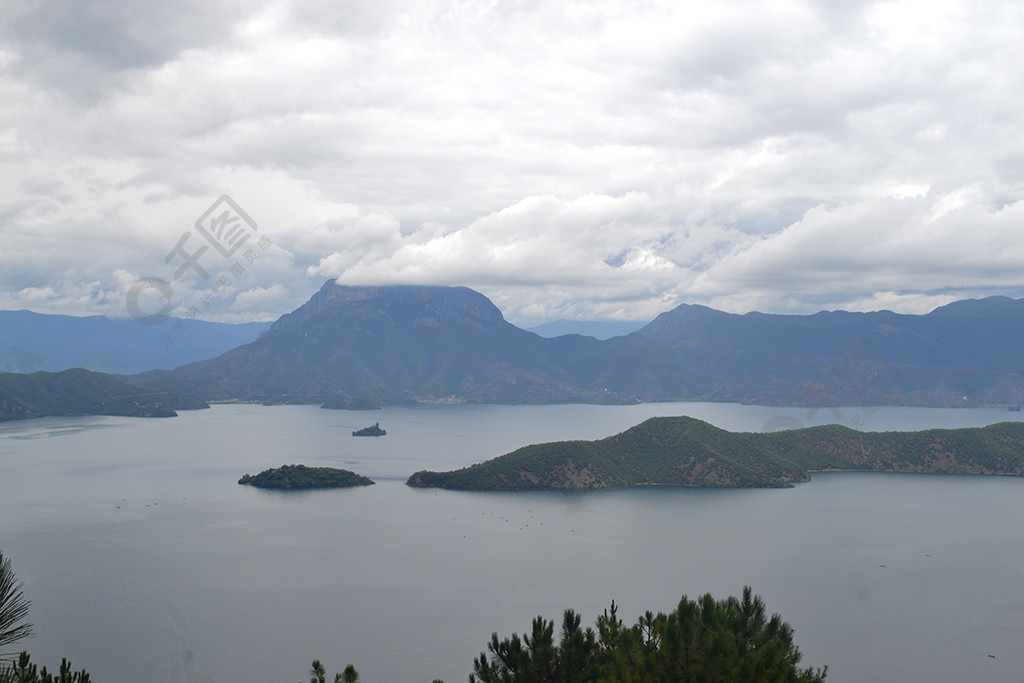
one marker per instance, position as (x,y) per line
(606,159)
(252,304)
(863,251)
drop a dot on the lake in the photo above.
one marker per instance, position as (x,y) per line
(146,561)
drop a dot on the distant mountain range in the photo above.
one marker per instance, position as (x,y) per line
(598,329)
(364,347)
(367,346)
(30,342)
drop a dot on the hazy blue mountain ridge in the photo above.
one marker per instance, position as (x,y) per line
(368,346)
(598,329)
(969,348)
(33,341)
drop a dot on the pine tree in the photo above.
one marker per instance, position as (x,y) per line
(24,671)
(317,672)
(13,606)
(729,640)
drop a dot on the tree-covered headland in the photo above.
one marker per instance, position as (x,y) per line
(685,451)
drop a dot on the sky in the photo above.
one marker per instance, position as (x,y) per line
(590,160)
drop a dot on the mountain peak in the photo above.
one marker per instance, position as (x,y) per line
(992,305)
(426,304)
(673,322)
(392,344)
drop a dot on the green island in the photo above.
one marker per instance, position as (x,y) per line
(298,477)
(685,451)
(372,430)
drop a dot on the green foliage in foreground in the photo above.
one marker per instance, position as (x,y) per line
(318,674)
(725,641)
(13,606)
(701,641)
(13,610)
(293,477)
(684,451)
(24,671)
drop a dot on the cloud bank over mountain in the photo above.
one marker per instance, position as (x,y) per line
(603,160)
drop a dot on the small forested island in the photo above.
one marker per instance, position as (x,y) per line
(296,477)
(685,451)
(372,430)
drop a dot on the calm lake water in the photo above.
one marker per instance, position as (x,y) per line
(145,561)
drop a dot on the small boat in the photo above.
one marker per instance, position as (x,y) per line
(372,430)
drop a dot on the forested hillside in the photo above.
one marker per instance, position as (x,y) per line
(684,451)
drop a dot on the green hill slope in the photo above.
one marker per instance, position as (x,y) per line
(81,392)
(684,451)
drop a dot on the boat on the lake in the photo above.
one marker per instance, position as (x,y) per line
(372,430)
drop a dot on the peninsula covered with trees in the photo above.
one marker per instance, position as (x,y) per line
(685,451)
(296,477)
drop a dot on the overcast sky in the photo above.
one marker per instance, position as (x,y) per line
(581,160)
